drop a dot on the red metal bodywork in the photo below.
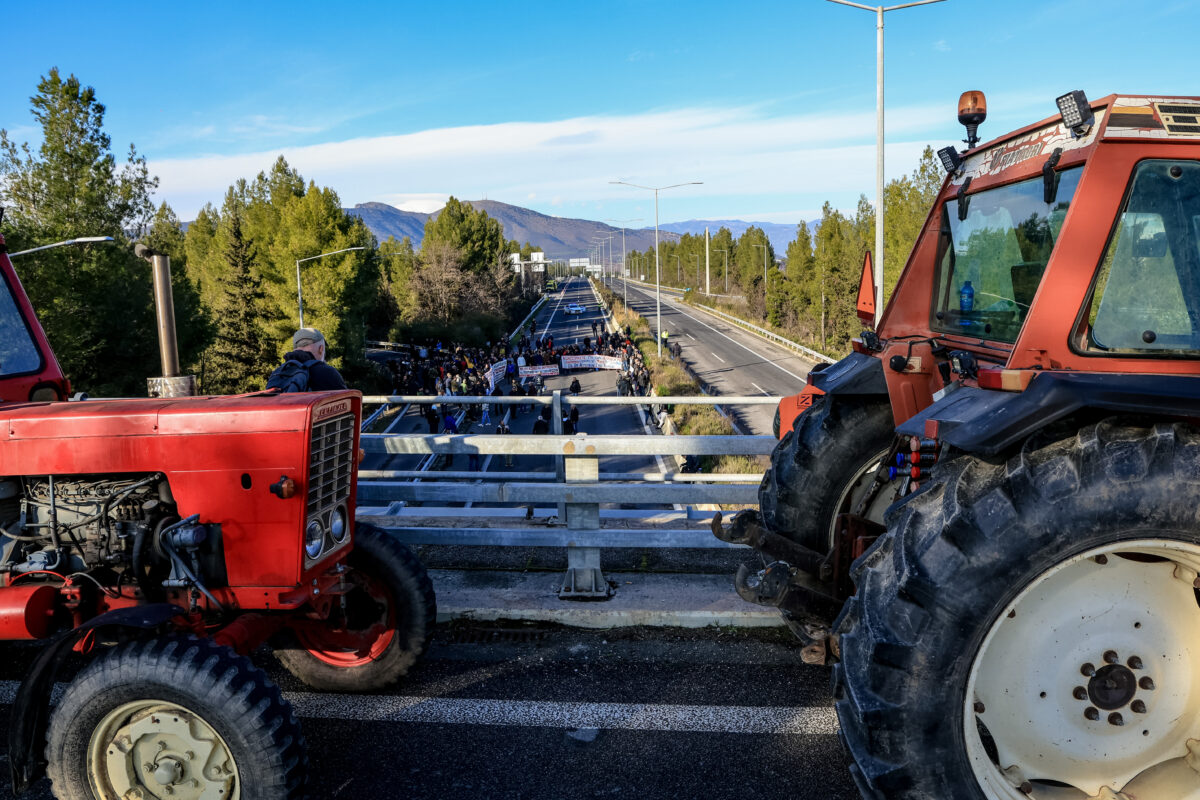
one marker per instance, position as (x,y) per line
(219,456)
(1057,317)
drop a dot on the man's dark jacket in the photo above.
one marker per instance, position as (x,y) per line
(321,376)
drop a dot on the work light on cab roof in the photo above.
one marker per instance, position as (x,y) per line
(1076,112)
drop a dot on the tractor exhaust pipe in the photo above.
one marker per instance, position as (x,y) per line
(171,384)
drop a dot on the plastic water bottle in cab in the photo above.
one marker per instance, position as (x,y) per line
(966,297)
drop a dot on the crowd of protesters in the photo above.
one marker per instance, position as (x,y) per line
(438,370)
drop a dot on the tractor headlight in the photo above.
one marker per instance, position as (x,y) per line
(314,538)
(339,525)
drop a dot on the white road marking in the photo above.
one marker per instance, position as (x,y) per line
(718,358)
(547,714)
(739,344)
(693,338)
(756,386)
(796,720)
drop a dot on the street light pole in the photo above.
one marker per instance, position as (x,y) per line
(726,252)
(65,242)
(299,293)
(657,268)
(879,12)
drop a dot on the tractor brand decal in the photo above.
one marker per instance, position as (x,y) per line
(1036,144)
(332,410)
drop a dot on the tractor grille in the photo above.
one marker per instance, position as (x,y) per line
(331,461)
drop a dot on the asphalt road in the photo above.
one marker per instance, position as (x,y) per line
(728,359)
(523,712)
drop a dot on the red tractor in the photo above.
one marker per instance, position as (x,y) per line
(989,512)
(164,539)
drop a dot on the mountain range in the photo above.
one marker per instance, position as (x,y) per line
(559,237)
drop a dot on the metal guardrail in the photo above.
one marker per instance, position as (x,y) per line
(766,334)
(573,493)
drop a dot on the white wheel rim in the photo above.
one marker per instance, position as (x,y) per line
(151,749)
(1134,622)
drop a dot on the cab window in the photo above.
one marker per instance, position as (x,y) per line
(1146,298)
(18,353)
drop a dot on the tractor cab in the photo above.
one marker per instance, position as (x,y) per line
(28,369)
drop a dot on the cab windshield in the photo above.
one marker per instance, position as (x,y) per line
(18,353)
(992,255)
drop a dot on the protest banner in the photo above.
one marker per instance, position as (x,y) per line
(496,372)
(547,371)
(589,362)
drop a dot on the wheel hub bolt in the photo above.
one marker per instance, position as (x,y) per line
(1088,669)
(1091,713)
(1134,662)
(1080,693)
(1138,707)
(1146,683)
(1026,787)
(1115,719)
(1102,559)
(1111,657)
(979,707)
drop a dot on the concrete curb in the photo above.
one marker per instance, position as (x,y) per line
(641,599)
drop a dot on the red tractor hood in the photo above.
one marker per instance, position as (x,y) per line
(167,416)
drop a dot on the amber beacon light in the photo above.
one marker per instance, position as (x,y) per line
(972,111)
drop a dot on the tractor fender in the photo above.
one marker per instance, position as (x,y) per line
(987,422)
(857,374)
(31,708)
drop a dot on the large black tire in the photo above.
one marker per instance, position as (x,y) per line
(123,704)
(393,597)
(814,463)
(983,614)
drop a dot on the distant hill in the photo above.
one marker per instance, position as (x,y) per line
(385,221)
(559,237)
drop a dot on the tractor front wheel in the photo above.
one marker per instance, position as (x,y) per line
(825,466)
(1028,630)
(379,630)
(178,717)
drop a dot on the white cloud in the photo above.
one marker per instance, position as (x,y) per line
(421,203)
(740,154)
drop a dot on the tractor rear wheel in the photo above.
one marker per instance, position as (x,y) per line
(824,466)
(380,632)
(179,717)
(1028,629)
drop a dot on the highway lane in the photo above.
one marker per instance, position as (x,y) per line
(546,713)
(728,359)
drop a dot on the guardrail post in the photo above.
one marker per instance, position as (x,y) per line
(584,580)
(556,427)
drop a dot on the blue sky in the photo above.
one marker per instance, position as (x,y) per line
(541,104)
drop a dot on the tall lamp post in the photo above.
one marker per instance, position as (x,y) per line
(299,293)
(657,266)
(624,256)
(65,242)
(879,11)
(726,252)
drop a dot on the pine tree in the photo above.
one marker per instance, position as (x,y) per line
(241,358)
